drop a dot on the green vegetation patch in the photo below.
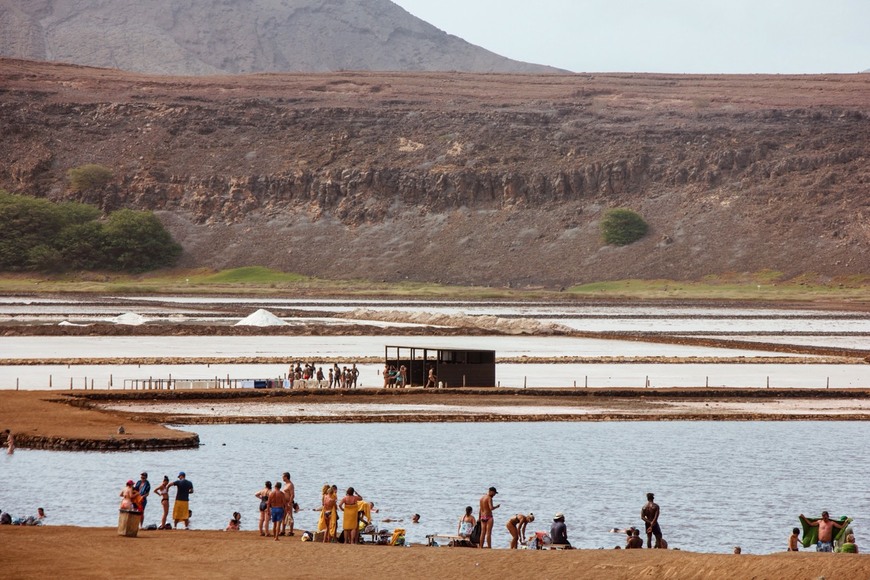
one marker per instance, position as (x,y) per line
(42,236)
(88,177)
(621,227)
(250,275)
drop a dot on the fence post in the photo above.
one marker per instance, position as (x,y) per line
(49,381)
(768,381)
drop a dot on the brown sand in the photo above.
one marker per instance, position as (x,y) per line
(37,419)
(39,552)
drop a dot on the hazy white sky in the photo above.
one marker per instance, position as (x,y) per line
(679,36)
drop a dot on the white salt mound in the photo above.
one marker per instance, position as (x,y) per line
(68,323)
(261,318)
(130,319)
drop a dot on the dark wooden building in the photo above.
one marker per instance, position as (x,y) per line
(454,367)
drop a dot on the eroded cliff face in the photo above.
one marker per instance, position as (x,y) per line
(485,179)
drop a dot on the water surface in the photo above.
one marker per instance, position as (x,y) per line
(719,484)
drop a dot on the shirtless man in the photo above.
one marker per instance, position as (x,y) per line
(485,517)
(650,516)
(826,531)
(276,503)
(290,495)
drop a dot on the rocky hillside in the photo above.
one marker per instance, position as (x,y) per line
(205,37)
(462,178)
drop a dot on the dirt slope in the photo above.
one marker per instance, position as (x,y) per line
(463,178)
(199,37)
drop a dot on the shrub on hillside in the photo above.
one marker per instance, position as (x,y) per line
(89,176)
(36,234)
(621,227)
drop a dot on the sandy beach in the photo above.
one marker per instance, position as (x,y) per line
(35,552)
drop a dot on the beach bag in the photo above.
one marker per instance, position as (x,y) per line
(475,534)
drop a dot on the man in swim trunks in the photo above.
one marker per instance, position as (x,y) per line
(650,516)
(290,495)
(276,502)
(485,517)
(826,531)
(181,509)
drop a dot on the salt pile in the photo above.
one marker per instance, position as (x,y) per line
(261,318)
(130,319)
(68,323)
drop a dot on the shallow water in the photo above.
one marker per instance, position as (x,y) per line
(719,484)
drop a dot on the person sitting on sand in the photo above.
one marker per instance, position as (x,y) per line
(235,523)
(849,547)
(793,540)
(466,524)
(559,531)
(635,542)
(516,526)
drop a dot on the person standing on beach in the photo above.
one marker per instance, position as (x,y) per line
(181,509)
(143,486)
(516,526)
(650,516)
(163,491)
(826,531)
(350,522)
(485,517)
(327,514)
(276,503)
(263,496)
(290,495)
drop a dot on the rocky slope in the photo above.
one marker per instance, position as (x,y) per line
(462,178)
(202,37)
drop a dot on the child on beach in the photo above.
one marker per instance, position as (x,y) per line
(793,540)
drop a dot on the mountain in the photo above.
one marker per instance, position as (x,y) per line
(206,37)
(459,177)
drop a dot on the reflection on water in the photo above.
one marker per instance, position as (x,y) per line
(719,485)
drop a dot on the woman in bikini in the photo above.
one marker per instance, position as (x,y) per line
(163,491)
(466,524)
(517,527)
(327,514)
(263,496)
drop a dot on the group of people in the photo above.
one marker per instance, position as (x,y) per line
(825,535)
(395,377)
(356,515)
(336,377)
(277,505)
(6,519)
(478,533)
(134,498)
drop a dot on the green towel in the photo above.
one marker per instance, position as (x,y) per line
(811,533)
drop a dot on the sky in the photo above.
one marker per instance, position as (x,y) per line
(670,36)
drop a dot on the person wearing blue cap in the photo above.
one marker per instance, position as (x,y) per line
(181,508)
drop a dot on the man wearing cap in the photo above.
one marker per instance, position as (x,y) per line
(181,509)
(485,517)
(650,516)
(559,531)
(144,488)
